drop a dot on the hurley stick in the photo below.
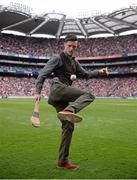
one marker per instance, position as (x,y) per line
(35,120)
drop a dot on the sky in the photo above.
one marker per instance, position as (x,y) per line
(74,8)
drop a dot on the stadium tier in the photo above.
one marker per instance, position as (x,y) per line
(21,58)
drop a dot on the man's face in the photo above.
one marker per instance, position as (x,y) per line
(70,47)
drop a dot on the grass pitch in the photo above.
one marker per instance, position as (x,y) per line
(104,144)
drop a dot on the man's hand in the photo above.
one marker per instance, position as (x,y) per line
(103,71)
(37,97)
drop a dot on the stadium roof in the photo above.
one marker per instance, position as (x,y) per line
(58,25)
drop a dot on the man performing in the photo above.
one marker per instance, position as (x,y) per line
(67,100)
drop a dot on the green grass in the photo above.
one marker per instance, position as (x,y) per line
(104,144)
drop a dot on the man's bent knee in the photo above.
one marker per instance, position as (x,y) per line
(91,96)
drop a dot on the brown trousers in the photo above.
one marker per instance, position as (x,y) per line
(67,97)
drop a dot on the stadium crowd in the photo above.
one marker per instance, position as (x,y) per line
(12,86)
(123,68)
(87,47)
(108,87)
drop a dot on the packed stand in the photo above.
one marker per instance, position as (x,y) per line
(32,47)
(123,68)
(108,87)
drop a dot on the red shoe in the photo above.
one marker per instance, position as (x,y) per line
(69,116)
(67,166)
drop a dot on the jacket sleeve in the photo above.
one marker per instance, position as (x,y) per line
(45,72)
(82,73)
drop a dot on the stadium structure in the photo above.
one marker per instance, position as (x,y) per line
(20,19)
(21,57)
(104,143)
